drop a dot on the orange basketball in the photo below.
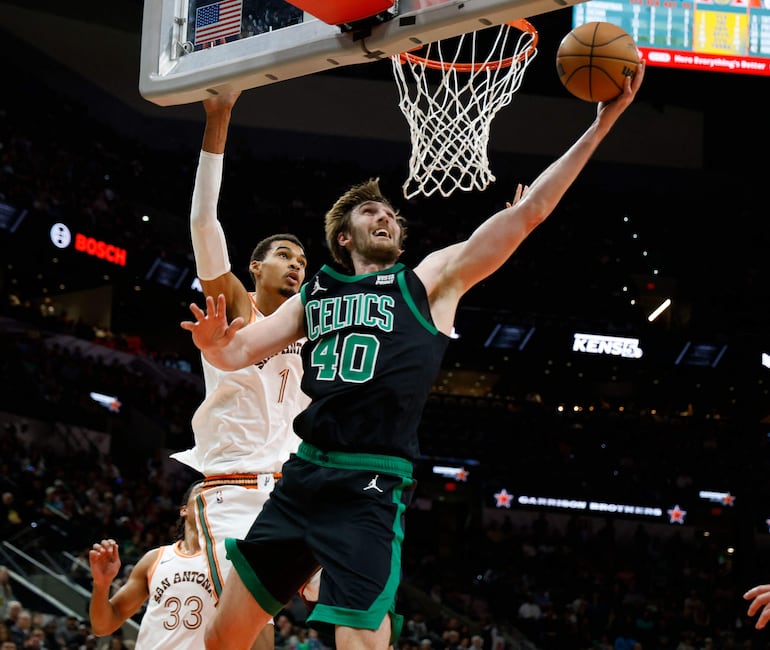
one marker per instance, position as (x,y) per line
(594,59)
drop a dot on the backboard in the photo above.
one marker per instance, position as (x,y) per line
(194,48)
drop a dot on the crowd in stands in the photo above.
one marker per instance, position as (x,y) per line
(578,585)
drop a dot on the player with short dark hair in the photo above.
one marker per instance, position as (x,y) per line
(243,428)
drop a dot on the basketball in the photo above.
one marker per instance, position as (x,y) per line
(594,59)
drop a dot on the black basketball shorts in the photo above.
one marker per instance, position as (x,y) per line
(342,511)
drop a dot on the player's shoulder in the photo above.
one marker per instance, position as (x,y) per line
(149,559)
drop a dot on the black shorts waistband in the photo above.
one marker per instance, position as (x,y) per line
(344,460)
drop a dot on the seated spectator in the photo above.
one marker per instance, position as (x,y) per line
(6,591)
(12,613)
(5,633)
(69,632)
(416,627)
(22,628)
(36,640)
(52,639)
(284,630)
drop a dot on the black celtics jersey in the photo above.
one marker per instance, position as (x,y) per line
(370,361)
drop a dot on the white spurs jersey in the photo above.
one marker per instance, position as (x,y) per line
(181,601)
(245,423)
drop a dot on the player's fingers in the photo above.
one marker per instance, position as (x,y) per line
(221,305)
(754,591)
(764,617)
(761,600)
(237,324)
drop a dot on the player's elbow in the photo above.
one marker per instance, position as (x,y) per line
(104,628)
(537,211)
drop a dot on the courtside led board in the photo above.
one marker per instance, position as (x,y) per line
(192,48)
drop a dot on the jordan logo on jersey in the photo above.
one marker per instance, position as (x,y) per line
(373,484)
(317,287)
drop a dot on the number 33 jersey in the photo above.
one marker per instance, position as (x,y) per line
(181,602)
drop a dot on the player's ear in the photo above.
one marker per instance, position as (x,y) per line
(343,238)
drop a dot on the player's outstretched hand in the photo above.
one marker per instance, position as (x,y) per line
(610,110)
(104,561)
(760,598)
(210,329)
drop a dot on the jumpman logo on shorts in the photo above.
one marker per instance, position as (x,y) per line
(317,287)
(373,484)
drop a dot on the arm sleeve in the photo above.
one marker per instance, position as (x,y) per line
(208,238)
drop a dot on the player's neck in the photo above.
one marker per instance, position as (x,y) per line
(267,301)
(363,263)
(362,267)
(189,544)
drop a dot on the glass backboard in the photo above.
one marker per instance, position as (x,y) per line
(192,48)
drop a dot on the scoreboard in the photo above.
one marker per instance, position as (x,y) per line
(722,36)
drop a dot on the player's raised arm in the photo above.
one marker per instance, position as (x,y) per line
(450,272)
(108,614)
(210,248)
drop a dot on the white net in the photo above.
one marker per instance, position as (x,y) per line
(449,104)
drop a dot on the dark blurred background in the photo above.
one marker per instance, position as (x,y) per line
(673,205)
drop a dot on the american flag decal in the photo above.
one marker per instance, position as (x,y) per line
(218,20)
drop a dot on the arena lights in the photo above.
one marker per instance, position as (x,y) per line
(109,402)
(659,310)
(457,473)
(723,498)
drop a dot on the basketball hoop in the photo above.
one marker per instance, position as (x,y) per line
(450,110)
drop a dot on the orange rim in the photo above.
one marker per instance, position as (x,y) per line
(523,24)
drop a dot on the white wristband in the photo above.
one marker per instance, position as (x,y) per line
(208,238)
